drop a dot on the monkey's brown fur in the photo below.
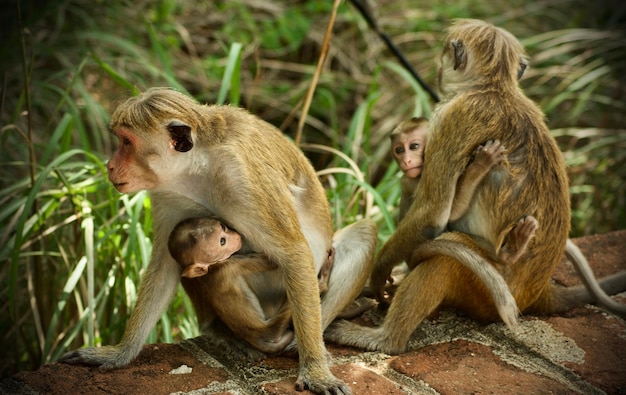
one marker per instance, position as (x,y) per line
(195,243)
(482,101)
(223,283)
(485,157)
(198,160)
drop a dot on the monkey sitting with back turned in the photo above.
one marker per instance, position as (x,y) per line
(480,68)
(205,246)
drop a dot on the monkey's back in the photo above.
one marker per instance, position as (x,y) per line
(533,182)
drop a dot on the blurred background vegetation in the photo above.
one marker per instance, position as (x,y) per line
(72,249)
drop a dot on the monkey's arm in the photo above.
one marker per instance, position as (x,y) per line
(274,230)
(157,288)
(408,187)
(425,220)
(243,264)
(430,211)
(485,157)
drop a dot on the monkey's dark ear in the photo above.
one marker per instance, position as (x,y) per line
(460,57)
(181,136)
(523,64)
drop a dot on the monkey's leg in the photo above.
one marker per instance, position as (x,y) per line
(214,329)
(486,278)
(354,249)
(244,316)
(516,241)
(356,308)
(275,336)
(423,290)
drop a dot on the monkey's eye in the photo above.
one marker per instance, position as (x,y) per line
(414,146)
(222,241)
(126,141)
(399,150)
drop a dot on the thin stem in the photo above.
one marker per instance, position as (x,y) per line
(318,70)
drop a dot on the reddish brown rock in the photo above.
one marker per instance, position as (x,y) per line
(462,367)
(360,380)
(603,338)
(474,359)
(149,373)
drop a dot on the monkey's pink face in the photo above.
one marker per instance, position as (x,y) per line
(408,151)
(218,245)
(127,169)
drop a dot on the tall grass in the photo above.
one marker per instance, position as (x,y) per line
(72,250)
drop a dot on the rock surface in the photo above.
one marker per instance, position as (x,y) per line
(582,351)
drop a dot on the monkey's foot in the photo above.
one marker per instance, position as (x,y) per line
(518,238)
(107,357)
(357,308)
(371,339)
(320,380)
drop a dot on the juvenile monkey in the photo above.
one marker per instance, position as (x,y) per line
(205,246)
(408,142)
(480,66)
(201,160)
(197,244)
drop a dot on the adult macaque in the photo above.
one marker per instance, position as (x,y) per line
(199,161)
(408,141)
(204,246)
(480,66)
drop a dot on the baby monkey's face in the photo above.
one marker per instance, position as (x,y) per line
(408,151)
(218,245)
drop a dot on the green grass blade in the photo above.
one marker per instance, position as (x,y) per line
(230,80)
(115,75)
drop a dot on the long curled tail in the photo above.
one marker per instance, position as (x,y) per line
(485,271)
(596,292)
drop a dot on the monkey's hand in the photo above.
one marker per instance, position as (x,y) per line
(490,154)
(318,378)
(107,357)
(378,279)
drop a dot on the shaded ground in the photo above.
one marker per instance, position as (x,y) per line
(583,351)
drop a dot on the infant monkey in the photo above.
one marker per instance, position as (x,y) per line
(205,246)
(408,143)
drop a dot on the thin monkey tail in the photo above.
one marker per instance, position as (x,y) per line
(354,251)
(596,290)
(559,299)
(355,242)
(492,279)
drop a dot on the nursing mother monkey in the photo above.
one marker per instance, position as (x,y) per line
(200,161)
(480,68)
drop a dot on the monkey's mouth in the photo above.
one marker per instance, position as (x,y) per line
(413,172)
(119,185)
